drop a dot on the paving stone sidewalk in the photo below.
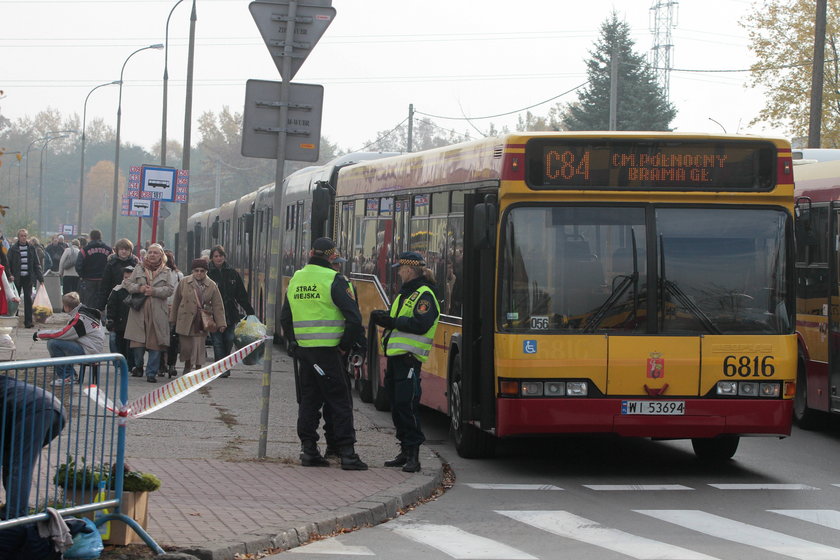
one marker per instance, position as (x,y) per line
(217,499)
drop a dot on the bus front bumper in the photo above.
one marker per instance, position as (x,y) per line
(701,418)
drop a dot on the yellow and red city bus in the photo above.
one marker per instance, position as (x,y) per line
(635,283)
(817,304)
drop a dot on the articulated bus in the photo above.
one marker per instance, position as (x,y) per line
(637,283)
(818,291)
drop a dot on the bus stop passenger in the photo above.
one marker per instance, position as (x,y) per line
(30,418)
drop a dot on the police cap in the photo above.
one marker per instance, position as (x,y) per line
(410,258)
(323,247)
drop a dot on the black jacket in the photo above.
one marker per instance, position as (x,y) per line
(55,251)
(92,260)
(113,274)
(233,291)
(34,265)
(116,314)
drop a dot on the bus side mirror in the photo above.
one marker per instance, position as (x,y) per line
(484,225)
(321,203)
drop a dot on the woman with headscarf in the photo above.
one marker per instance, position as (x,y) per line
(194,293)
(150,285)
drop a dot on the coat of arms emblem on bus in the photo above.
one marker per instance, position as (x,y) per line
(656,365)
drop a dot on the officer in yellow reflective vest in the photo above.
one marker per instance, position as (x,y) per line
(321,321)
(409,333)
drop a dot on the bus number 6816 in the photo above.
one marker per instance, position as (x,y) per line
(748,366)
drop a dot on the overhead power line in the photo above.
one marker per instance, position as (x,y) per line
(464,118)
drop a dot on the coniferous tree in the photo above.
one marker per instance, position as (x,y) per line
(641,102)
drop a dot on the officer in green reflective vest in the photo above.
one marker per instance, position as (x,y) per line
(321,322)
(407,341)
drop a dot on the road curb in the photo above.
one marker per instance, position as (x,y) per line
(370,511)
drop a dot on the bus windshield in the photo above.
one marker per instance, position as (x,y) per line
(638,270)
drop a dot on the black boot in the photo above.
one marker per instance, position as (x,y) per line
(412,463)
(350,461)
(310,456)
(399,460)
(137,372)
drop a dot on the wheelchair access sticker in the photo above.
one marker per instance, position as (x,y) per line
(529,346)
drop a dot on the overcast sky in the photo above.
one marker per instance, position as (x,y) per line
(451,58)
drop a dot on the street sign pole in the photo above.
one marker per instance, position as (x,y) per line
(276,255)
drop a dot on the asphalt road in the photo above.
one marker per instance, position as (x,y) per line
(613,498)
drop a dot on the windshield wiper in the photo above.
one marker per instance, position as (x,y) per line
(618,291)
(683,298)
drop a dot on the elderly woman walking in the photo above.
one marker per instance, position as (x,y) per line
(194,293)
(150,285)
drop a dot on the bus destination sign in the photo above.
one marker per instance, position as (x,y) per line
(651,165)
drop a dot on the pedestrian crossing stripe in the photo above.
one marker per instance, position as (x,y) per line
(571,526)
(332,546)
(639,487)
(743,533)
(763,487)
(460,544)
(483,486)
(645,487)
(826,517)
(456,542)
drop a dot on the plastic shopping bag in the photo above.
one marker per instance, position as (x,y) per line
(250,330)
(87,543)
(12,296)
(41,307)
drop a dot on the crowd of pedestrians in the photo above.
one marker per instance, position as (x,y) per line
(137,300)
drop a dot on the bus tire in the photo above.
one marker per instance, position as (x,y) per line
(470,442)
(720,448)
(806,418)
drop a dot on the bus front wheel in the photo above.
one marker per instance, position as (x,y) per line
(806,418)
(720,448)
(470,442)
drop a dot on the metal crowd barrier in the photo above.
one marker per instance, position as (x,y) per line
(92,439)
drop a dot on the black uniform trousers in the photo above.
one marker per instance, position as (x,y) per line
(24,288)
(330,390)
(402,386)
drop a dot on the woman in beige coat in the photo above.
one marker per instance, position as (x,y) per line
(194,290)
(148,326)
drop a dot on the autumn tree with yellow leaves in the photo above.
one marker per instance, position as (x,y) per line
(781,35)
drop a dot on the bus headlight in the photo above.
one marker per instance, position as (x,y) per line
(555,388)
(576,388)
(727,387)
(769,389)
(531,389)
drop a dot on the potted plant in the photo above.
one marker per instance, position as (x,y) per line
(81,485)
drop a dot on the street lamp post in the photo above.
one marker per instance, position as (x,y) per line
(26,192)
(82,175)
(28,148)
(156,204)
(156,46)
(41,225)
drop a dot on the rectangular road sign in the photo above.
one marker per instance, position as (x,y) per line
(157,183)
(310,23)
(261,120)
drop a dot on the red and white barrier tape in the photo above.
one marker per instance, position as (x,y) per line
(175,390)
